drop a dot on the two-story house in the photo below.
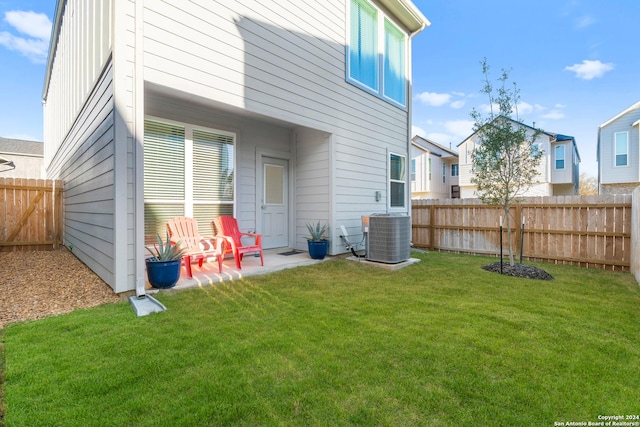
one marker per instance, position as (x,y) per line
(558,172)
(277,112)
(434,170)
(618,152)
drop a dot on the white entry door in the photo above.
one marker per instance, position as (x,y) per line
(275,203)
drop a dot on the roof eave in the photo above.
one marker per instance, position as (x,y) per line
(53,42)
(408,14)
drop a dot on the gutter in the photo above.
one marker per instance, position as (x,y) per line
(53,41)
(407,196)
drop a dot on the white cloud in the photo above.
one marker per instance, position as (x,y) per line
(37,28)
(416,130)
(560,106)
(590,69)
(553,115)
(458,104)
(434,99)
(459,128)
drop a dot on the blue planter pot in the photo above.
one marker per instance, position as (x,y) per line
(163,274)
(318,250)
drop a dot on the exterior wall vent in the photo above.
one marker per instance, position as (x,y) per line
(389,238)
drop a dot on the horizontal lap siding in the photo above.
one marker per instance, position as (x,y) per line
(610,173)
(284,60)
(85,163)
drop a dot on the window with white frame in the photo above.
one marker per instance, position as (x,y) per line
(376,53)
(188,171)
(559,156)
(454,169)
(397,179)
(622,148)
(444,173)
(429,171)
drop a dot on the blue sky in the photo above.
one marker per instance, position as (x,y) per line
(576,63)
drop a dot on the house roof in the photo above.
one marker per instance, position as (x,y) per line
(21,146)
(555,137)
(635,106)
(428,145)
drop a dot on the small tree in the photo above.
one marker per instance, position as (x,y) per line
(505,161)
(588,185)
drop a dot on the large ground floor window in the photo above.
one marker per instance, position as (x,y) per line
(188,171)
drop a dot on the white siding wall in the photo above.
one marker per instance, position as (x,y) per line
(610,173)
(312,181)
(82,50)
(284,60)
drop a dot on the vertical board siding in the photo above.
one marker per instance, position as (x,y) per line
(590,231)
(30,214)
(83,47)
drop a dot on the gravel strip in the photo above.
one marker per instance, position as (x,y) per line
(38,284)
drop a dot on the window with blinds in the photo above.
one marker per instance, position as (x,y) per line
(187,171)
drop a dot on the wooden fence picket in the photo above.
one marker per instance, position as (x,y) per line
(590,231)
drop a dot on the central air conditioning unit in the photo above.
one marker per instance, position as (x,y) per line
(388,238)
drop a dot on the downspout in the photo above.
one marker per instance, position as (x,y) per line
(138,147)
(409,117)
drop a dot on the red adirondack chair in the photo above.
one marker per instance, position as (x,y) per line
(227,228)
(198,247)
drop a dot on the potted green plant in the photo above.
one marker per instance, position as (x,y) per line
(163,267)
(317,242)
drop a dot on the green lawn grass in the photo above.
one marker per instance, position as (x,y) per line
(442,342)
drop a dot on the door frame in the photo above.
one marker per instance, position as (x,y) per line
(261,153)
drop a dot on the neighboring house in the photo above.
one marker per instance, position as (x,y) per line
(434,170)
(558,172)
(618,152)
(278,112)
(27,156)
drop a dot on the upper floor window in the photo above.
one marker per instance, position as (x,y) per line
(622,148)
(454,169)
(396,180)
(376,53)
(444,172)
(559,156)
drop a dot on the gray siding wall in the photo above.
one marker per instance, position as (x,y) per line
(609,172)
(85,162)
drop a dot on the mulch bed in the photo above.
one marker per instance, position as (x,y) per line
(38,284)
(519,270)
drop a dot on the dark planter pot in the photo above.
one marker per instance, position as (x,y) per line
(318,250)
(163,274)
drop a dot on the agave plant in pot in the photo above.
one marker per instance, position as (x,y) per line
(317,242)
(163,267)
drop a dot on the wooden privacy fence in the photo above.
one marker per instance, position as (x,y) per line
(30,214)
(590,231)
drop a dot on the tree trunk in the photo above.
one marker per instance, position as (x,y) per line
(509,234)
